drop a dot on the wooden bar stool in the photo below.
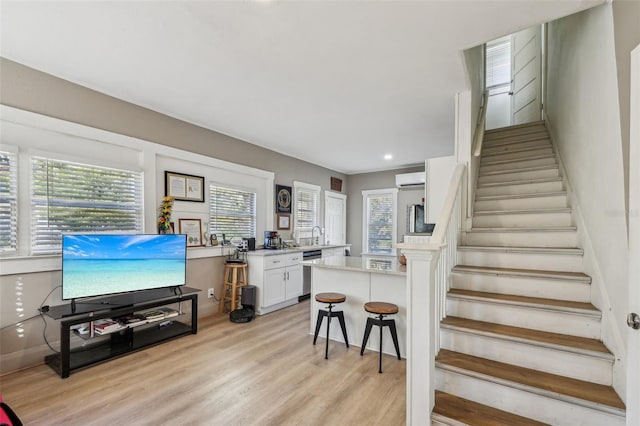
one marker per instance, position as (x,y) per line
(331,299)
(381,309)
(235,276)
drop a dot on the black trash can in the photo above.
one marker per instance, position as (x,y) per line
(248,302)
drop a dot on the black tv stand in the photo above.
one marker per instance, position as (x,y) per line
(123,341)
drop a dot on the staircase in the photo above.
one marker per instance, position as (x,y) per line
(521,341)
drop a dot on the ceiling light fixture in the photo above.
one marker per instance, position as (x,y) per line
(388,156)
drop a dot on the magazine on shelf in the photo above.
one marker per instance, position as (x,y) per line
(159,313)
(132,320)
(168,312)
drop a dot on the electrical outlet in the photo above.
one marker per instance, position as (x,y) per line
(210,293)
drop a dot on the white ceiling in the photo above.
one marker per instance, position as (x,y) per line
(335,83)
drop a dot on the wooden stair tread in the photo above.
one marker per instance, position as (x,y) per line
(558,339)
(521,169)
(473,413)
(506,149)
(527,272)
(517,160)
(522,211)
(528,195)
(524,299)
(537,250)
(580,389)
(523,229)
(520,182)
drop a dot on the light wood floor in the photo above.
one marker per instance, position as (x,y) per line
(266,372)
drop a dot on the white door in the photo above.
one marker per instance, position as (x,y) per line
(335,218)
(526,70)
(633,336)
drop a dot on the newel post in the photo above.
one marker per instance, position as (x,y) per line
(421,337)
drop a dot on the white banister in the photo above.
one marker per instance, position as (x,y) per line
(482,118)
(474,160)
(428,280)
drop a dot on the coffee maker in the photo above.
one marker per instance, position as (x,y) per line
(271,240)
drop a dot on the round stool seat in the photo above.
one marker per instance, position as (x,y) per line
(330,297)
(381,308)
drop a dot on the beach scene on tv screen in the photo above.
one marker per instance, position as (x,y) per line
(104,264)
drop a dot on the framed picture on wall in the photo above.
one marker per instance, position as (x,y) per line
(283,199)
(284,221)
(184,187)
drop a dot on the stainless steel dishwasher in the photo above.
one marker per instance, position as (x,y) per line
(306,272)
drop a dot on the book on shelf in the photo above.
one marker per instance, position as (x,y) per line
(106,325)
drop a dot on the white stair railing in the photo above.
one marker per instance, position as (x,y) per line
(428,281)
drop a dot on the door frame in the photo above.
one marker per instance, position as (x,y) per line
(342,197)
(633,336)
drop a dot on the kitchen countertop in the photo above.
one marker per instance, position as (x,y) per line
(378,265)
(263,252)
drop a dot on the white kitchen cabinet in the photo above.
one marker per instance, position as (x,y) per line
(278,279)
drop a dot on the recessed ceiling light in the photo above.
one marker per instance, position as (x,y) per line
(388,156)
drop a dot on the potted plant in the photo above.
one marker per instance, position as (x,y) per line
(164,218)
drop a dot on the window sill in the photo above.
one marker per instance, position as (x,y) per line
(49,263)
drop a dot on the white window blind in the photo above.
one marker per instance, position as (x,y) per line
(307,206)
(80,198)
(379,223)
(498,59)
(232,212)
(8,202)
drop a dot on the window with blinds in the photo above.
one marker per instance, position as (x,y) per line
(498,60)
(307,200)
(80,198)
(379,226)
(232,212)
(8,202)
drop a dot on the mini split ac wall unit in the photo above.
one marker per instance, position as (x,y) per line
(410,180)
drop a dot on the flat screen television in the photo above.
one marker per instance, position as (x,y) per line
(98,265)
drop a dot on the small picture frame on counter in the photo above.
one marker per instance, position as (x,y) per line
(193,229)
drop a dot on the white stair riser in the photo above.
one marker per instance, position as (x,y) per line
(560,239)
(518,189)
(537,357)
(505,138)
(522,220)
(522,203)
(546,161)
(543,261)
(526,317)
(518,155)
(577,291)
(500,149)
(510,177)
(521,402)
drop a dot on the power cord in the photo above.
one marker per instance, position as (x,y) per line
(44,331)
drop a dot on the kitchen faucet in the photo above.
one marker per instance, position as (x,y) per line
(315,241)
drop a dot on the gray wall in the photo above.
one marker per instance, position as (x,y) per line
(31,90)
(378,180)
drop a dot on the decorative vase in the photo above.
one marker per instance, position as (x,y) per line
(402,259)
